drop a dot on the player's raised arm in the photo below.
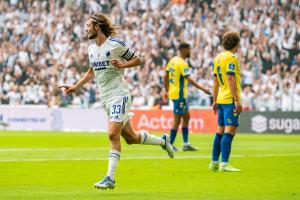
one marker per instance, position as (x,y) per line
(87,77)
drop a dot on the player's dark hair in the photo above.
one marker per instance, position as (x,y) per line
(105,24)
(183,46)
(230,40)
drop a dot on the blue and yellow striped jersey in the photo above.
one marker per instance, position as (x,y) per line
(178,69)
(227,63)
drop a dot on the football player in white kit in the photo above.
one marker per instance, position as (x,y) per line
(108,57)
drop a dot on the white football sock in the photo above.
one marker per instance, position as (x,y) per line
(147,138)
(224,163)
(114,157)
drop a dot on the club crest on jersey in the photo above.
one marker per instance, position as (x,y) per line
(107,53)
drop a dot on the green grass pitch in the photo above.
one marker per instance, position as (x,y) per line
(59,165)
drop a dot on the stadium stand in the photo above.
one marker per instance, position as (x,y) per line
(42,45)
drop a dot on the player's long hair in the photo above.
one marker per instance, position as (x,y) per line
(105,24)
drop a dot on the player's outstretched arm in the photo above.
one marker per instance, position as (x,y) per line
(215,94)
(134,62)
(87,77)
(197,85)
(233,89)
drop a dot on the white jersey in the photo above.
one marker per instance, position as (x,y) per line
(109,78)
(114,92)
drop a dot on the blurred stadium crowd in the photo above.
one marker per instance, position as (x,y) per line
(43,46)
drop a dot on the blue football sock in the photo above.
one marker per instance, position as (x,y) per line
(226,146)
(185,135)
(173,134)
(216,147)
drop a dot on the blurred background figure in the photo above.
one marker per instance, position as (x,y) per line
(42,45)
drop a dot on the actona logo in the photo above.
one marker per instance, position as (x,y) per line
(261,124)
(163,122)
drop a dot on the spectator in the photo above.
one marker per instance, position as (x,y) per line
(247,97)
(296,101)
(42,44)
(287,101)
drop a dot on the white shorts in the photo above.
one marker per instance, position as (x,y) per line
(117,108)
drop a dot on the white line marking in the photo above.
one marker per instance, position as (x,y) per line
(139,158)
(69,149)
(51,149)
(107,148)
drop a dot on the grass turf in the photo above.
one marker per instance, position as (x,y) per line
(59,165)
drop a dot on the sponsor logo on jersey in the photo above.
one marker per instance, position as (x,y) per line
(100,65)
(231,66)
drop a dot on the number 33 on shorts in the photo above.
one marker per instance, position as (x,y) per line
(119,109)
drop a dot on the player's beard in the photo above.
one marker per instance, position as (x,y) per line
(92,35)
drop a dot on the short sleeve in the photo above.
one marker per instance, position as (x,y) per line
(168,67)
(123,50)
(90,63)
(184,69)
(90,54)
(231,65)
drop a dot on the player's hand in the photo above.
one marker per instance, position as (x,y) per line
(165,96)
(207,91)
(215,107)
(68,89)
(238,106)
(118,64)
